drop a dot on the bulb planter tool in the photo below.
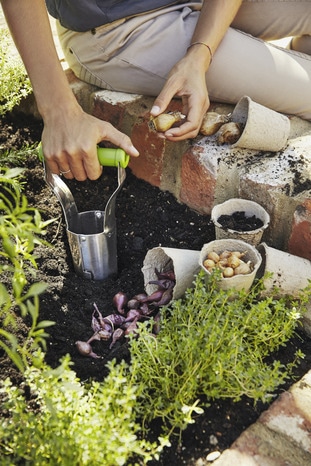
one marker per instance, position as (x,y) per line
(92,235)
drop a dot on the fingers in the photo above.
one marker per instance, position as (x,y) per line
(195,101)
(79,159)
(194,109)
(120,140)
(169,90)
(74,163)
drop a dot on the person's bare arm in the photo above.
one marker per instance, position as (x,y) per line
(70,135)
(187,77)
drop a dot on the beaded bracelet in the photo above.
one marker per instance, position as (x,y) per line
(206,45)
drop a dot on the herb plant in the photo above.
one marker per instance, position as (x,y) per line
(21,229)
(53,418)
(70,423)
(14,82)
(213,344)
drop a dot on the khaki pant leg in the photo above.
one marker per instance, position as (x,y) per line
(137,55)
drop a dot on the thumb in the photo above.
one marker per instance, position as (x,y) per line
(161,103)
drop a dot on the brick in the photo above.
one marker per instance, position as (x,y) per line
(198,182)
(300,239)
(149,165)
(290,414)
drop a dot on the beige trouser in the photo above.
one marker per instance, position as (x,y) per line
(137,54)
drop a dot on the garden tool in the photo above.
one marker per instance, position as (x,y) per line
(92,234)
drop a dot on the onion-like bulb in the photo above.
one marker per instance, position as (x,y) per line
(85,349)
(165,121)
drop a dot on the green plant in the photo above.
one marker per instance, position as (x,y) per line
(52,418)
(14,82)
(21,229)
(70,423)
(17,158)
(212,344)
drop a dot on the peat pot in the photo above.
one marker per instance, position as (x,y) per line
(250,208)
(241,281)
(290,273)
(184,262)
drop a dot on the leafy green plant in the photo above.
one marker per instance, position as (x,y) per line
(14,82)
(52,418)
(17,158)
(69,423)
(213,344)
(21,229)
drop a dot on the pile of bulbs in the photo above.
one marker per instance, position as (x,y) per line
(123,321)
(229,262)
(228,132)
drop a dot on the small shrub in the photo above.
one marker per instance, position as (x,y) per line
(70,423)
(212,345)
(14,82)
(52,418)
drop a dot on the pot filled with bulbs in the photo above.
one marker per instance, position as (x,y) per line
(237,261)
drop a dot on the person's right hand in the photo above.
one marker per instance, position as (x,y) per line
(69,143)
(186,80)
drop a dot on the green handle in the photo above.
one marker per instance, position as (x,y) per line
(107,157)
(112,157)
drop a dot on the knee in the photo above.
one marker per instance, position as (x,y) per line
(301,44)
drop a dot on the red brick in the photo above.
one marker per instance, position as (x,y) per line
(300,239)
(198,184)
(149,165)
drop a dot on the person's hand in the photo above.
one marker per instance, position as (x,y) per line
(186,80)
(69,143)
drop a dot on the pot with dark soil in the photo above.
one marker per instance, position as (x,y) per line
(240,219)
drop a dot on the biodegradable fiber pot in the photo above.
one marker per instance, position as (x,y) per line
(290,273)
(239,282)
(184,262)
(240,205)
(264,129)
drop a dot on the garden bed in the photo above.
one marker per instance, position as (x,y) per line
(146,218)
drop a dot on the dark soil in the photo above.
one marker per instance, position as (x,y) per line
(239,221)
(146,218)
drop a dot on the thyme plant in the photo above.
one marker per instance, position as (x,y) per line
(70,423)
(213,344)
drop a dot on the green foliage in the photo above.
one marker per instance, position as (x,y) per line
(62,421)
(68,423)
(212,344)
(17,158)
(21,228)
(14,82)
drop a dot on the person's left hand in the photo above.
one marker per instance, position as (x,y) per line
(186,80)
